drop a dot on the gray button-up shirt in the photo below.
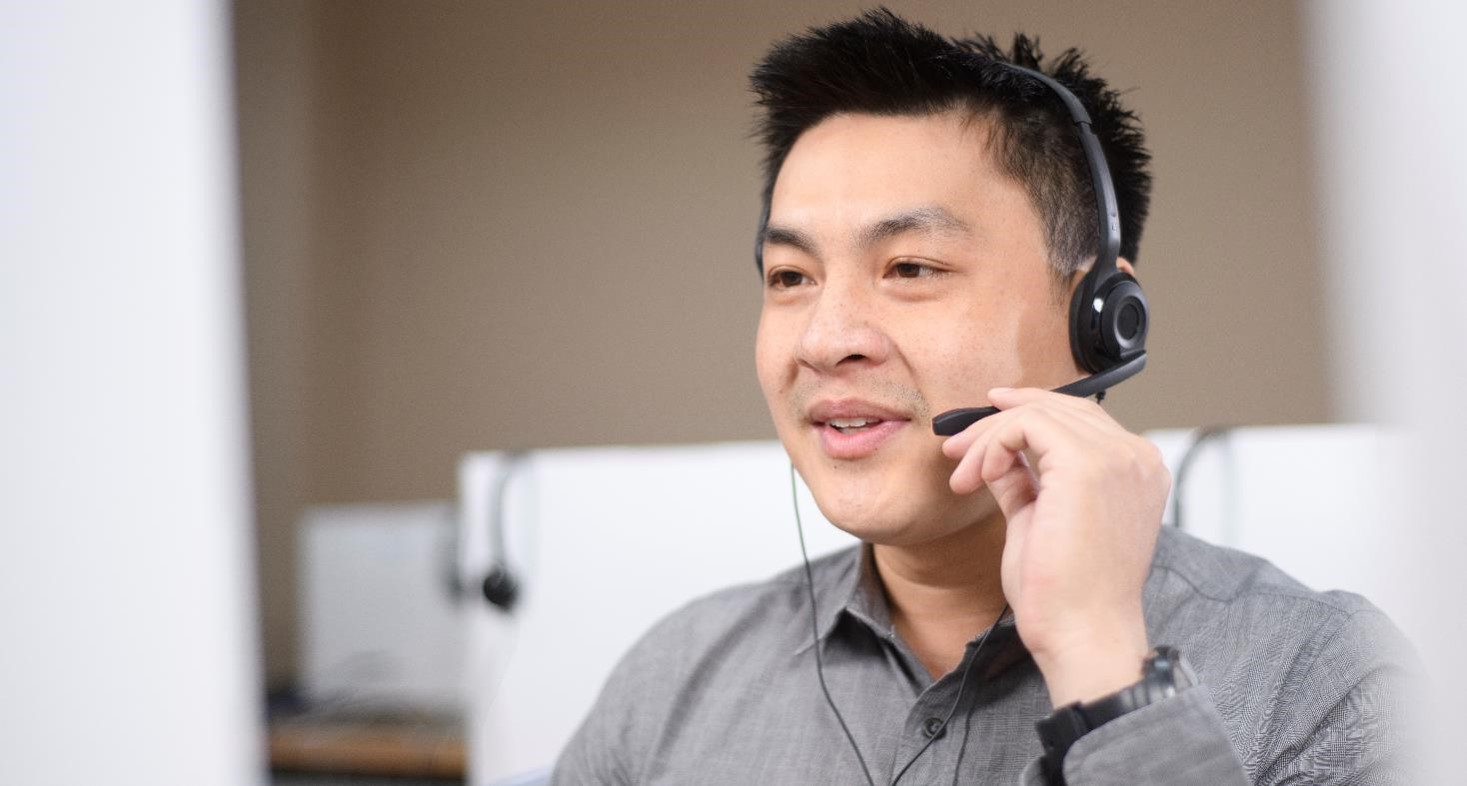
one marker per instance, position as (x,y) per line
(1295,686)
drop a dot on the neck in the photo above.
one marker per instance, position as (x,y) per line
(945,592)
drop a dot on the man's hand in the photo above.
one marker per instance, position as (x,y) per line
(1083,508)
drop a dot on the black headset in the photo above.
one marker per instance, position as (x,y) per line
(500,587)
(1109,316)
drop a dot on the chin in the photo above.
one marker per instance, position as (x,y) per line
(891,505)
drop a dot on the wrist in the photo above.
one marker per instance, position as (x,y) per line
(1164,673)
(1093,663)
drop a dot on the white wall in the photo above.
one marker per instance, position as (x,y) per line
(129,652)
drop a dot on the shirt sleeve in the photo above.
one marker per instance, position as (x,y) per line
(1178,741)
(1345,720)
(1340,718)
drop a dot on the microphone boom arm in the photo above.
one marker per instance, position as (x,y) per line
(955,420)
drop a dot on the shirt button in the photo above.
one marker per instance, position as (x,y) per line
(932,727)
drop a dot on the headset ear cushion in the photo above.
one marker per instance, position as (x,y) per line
(500,587)
(1109,322)
(1085,327)
(1125,319)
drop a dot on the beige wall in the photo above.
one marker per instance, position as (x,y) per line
(491,225)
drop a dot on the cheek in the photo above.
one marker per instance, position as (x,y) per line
(772,357)
(964,353)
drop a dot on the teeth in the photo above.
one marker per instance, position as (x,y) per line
(851,422)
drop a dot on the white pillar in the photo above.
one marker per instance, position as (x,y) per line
(127,641)
(1392,131)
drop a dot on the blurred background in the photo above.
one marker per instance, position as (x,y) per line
(514,225)
(441,234)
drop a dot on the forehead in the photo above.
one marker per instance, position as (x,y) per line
(851,167)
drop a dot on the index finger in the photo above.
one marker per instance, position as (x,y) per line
(1000,399)
(1007,398)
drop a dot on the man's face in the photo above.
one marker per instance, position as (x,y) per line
(904,276)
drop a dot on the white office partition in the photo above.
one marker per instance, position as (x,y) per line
(126,613)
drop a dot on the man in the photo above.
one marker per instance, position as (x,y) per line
(929,215)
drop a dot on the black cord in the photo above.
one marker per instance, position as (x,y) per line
(820,668)
(962,687)
(967,726)
(815,627)
(1199,438)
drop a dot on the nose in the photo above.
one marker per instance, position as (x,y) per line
(843,330)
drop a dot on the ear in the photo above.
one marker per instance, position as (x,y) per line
(1122,264)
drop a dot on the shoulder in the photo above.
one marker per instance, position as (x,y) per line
(1189,570)
(772,614)
(1283,661)
(725,637)
(732,629)
(1240,614)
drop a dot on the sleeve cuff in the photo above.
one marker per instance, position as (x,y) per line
(1180,740)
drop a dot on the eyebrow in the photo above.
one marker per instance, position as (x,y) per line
(923,219)
(932,218)
(786,236)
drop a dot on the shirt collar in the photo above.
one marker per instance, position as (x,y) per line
(836,582)
(847,584)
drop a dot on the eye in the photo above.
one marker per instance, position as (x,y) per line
(910,268)
(786,279)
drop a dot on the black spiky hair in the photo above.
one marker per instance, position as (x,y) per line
(879,63)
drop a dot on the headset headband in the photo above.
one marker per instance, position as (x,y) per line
(1108,212)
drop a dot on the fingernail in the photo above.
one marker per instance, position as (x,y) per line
(1000,391)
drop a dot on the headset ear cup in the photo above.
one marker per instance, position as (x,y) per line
(1124,320)
(500,587)
(1109,322)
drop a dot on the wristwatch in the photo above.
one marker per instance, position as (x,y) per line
(1163,675)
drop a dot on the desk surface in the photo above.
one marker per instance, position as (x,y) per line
(367,748)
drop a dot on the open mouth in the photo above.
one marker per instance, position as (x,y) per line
(852,425)
(850,428)
(856,437)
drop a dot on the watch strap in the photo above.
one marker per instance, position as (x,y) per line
(1162,675)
